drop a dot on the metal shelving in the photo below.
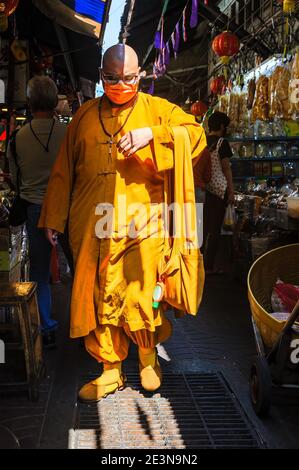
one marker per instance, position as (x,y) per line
(263,139)
(265,159)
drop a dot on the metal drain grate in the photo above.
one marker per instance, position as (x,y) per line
(190,411)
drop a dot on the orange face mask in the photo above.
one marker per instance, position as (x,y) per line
(120,93)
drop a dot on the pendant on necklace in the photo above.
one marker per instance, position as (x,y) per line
(110,142)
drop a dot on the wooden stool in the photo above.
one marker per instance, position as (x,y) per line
(22,296)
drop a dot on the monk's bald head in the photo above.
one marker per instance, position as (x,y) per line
(121,60)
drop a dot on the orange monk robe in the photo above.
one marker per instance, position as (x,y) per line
(114,277)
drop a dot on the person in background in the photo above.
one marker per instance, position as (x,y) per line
(214,207)
(36,147)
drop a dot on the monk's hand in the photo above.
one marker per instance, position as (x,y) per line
(51,236)
(135,140)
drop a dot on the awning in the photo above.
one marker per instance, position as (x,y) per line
(37,21)
(81,16)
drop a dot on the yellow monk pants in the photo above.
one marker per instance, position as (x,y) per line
(109,344)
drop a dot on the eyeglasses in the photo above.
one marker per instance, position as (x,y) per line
(115,79)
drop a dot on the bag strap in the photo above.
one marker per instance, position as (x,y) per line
(13,149)
(219,143)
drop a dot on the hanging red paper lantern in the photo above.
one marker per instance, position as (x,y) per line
(225,45)
(199,108)
(8,7)
(217,84)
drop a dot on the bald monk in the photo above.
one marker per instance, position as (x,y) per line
(116,148)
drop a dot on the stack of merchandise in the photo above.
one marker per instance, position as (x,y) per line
(13,254)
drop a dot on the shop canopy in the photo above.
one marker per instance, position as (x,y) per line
(81,16)
(74,26)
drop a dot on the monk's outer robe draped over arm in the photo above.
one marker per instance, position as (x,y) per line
(122,268)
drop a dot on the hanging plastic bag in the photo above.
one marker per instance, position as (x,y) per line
(260,109)
(279,93)
(229,219)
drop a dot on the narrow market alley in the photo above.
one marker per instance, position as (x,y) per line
(203,403)
(149,176)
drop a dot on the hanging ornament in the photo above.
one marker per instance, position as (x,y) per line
(198,108)
(158,41)
(8,7)
(217,84)
(289,6)
(159,67)
(184,26)
(230,85)
(226,45)
(194,14)
(167,54)
(177,38)
(151,89)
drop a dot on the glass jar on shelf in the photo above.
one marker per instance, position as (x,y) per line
(290,169)
(263,129)
(246,150)
(249,131)
(278,128)
(293,150)
(277,169)
(237,133)
(235,149)
(279,150)
(262,150)
(250,184)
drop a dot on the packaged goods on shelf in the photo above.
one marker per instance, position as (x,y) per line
(233,110)
(294,89)
(243,111)
(250,93)
(246,150)
(260,110)
(223,103)
(291,128)
(13,253)
(279,93)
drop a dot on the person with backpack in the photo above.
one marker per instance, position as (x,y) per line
(220,189)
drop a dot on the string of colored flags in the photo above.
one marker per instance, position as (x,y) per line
(165,48)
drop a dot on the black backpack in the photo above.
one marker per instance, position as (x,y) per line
(18,210)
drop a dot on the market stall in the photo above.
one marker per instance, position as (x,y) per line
(264,137)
